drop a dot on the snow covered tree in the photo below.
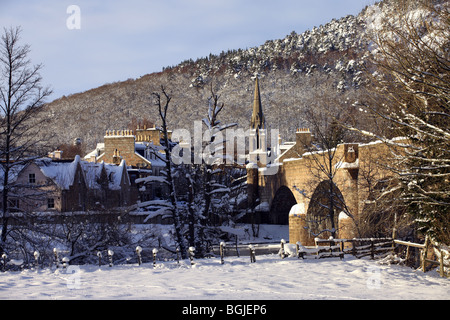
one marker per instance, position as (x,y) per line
(209,195)
(21,98)
(216,193)
(409,75)
(170,206)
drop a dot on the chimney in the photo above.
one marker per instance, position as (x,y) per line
(303,138)
(56,155)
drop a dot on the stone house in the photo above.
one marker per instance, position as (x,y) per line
(138,149)
(65,186)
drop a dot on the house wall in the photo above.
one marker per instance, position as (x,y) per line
(35,196)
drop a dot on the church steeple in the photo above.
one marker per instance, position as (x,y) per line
(257,121)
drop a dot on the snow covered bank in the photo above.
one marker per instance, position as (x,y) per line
(270,278)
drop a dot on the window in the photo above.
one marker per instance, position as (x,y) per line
(32,178)
(51,203)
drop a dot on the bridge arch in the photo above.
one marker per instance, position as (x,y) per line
(282,203)
(325,206)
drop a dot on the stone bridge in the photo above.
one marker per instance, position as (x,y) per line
(298,192)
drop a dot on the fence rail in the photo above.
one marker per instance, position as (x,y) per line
(430,247)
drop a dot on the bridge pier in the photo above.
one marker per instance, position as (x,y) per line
(298,231)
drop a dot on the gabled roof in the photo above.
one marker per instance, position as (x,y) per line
(114,174)
(61,173)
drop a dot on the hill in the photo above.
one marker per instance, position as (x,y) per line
(295,74)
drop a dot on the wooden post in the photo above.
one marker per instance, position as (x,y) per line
(331,245)
(36,258)
(407,255)
(221,249)
(423,256)
(138,252)
(178,255)
(394,231)
(55,253)
(110,255)
(4,257)
(191,255)
(372,249)
(99,255)
(282,254)
(353,248)
(65,262)
(237,249)
(441,263)
(155,251)
(252,254)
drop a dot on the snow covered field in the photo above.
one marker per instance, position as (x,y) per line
(270,278)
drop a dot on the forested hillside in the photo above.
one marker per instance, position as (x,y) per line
(302,71)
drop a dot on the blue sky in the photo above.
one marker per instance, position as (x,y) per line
(117,40)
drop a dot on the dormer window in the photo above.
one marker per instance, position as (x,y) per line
(32,178)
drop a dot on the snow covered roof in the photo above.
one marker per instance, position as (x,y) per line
(93,172)
(62,173)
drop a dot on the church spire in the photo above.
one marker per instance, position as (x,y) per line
(257,121)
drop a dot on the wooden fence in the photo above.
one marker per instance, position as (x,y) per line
(428,248)
(359,248)
(375,246)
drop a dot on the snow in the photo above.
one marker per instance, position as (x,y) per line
(63,174)
(297,209)
(269,278)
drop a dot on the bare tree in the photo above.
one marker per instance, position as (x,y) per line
(326,202)
(21,98)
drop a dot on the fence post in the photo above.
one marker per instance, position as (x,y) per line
(138,252)
(331,243)
(341,249)
(252,254)
(99,255)
(282,253)
(178,255)
(55,254)
(407,255)
(65,262)
(372,248)
(354,248)
(154,251)
(36,258)
(441,263)
(110,255)
(4,257)
(191,255)
(221,249)
(423,256)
